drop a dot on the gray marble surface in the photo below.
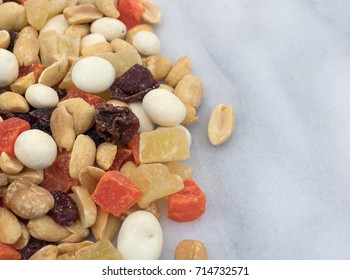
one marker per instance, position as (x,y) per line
(279,188)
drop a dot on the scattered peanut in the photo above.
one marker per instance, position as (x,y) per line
(89,177)
(221,124)
(191,250)
(106,225)
(85,13)
(4,39)
(159,65)
(87,207)
(108,8)
(21,84)
(37,12)
(152,13)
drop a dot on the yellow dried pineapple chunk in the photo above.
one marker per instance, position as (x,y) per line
(163,145)
(101,250)
(155,181)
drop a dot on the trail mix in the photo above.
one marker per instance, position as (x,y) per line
(93,132)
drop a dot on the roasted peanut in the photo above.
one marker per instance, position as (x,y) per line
(12,16)
(78,29)
(53,74)
(28,200)
(108,8)
(159,65)
(3,180)
(191,115)
(221,124)
(56,7)
(105,155)
(78,233)
(48,252)
(82,14)
(4,39)
(37,12)
(120,44)
(49,42)
(181,68)
(35,176)
(191,250)
(190,90)
(87,207)
(13,102)
(23,239)
(21,84)
(10,165)
(10,228)
(29,30)
(152,13)
(98,48)
(89,176)
(26,49)
(106,225)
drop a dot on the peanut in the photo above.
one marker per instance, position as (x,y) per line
(13,102)
(78,29)
(221,124)
(190,90)
(4,39)
(191,115)
(12,16)
(181,68)
(84,13)
(159,65)
(3,181)
(26,49)
(10,165)
(35,176)
(106,225)
(21,84)
(78,233)
(53,74)
(152,13)
(87,207)
(98,48)
(23,239)
(10,228)
(191,250)
(120,44)
(141,27)
(48,252)
(108,8)
(37,12)
(105,155)
(89,177)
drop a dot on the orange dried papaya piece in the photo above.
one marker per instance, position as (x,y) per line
(35,67)
(130,12)
(8,253)
(134,146)
(90,98)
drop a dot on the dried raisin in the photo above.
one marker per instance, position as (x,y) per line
(32,247)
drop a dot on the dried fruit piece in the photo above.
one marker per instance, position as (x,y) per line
(32,247)
(221,124)
(65,210)
(116,124)
(101,250)
(36,68)
(7,252)
(188,204)
(133,85)
(182,169)
(115,193)
(191,250)
(123,155)
(130,12)
(92,99)
(134,146)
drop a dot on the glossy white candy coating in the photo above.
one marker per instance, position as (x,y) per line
(145,123)
(110,28)
(8,68)
(140,237)
(93,74)
(35,149)
(146,43)
(163,107)
(41,96)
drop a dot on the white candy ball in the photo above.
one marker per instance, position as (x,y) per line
(91,39)
(8,68)
(146,43)
(93,74)
(41,96)
(110,28)
(163,107)
(35,149)
(140,237)
(145,123)
(188,133)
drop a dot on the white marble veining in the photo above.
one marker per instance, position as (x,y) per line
(280,187)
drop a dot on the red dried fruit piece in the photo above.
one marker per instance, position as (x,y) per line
(134,146)
(133,85)
(7,252)
(35,67)
(130,12)
(56,176)
(90,98)
(65,211)
(9,131)
(123,155)
(115,193)
(116,124)
(187,204)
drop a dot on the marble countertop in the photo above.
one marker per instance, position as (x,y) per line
(280,187)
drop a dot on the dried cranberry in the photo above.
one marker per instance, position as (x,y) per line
(32,247)
(26,117)
(133,85)
(41,119)
(116,124)
(65,211)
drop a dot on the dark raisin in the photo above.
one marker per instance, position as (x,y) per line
(65,211)
(116,124)
(41,119)
(25,116)
(6,114)
(32,247)
(13,38)
(61,93)
(133,85)
(92,133)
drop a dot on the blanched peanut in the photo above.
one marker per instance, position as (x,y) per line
(12,16)
(27,200)
(152,13)
(89,176)
(115,102)
(159,65)
(37,12)
(58,23)
(4,39)
(190,90)
(21,84)
(10,228)
(13,102)
(10,165)
(181,68)
(221,124)
(106,225)
(45,228)
(48,252)
(87,207)
(83,154)
(26,49)
(82,14)
(191,250)
(105,155)
(108,8)
(29,30)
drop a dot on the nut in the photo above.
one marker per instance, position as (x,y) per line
(49,42)
(3,180)
(29,30)
(26,49)
(37,12)
(106,225)
(10,165)
(141,27)
(105,155)
(28,200)
(35,176)
(78,233)
(10,228)
(152,13)
(78,29)
(21,84)
(181,68)
(45,228)
(120,44)
(61,124)
(83,154)
(53,74)
(48,252)
(12,16)
(13,102)
(4,39)
(23,239)
(191,115)
(69,46)
(108,8)
(167,87)
(82,14)
(89,176)
(56,7)
(98,48)
(190,90)
(191,250)
(82,112)
(71,248)
(159,65)
(221,124)
(115,102)
(87,207)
